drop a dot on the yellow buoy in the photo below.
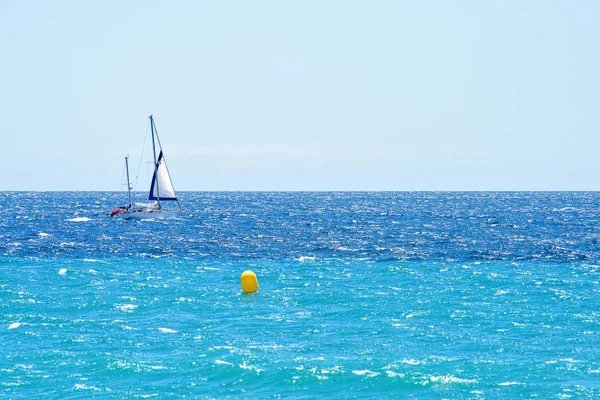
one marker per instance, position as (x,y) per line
(249,282)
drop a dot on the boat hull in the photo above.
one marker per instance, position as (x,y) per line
(150,215)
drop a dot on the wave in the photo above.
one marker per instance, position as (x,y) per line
(167,330)
(14,325)
(78,219)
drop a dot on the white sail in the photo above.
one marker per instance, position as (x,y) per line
(162,186)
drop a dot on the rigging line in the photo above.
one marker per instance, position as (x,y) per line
(123,177)
(157,137)
(141,158)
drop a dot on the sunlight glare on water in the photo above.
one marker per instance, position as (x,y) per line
(368,295)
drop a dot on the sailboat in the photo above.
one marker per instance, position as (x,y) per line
(161,189)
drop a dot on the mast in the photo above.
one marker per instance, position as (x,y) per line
(128,184)
(155,164)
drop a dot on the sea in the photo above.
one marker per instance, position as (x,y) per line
(362,295)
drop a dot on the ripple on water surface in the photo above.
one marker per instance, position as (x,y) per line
(375,295)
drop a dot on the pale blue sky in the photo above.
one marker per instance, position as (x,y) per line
(304,95)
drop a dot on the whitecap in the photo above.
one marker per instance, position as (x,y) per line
(128,308)
(167,330)
(366,372)
(221,362)
(565,209)
(571,360)
(130,328)
(450,379)
(81,386)
(338,369)
(306,258)
(44,234)
(410,361)
(208,268)
(250,367)
(63,271)
(184,299)
(392,374)
(342,248)
(79,219)
(14,325)
(509,383)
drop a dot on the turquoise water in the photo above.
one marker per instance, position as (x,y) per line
(362,295)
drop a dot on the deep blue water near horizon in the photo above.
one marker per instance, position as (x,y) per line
(422,295)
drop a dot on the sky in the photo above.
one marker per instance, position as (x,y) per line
(302,95)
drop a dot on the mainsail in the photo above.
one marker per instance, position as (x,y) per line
(161,186)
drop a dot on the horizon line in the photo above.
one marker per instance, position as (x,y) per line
(321,191)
